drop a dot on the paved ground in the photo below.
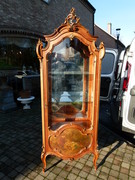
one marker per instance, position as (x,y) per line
(20,148)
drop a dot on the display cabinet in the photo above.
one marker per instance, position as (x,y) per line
(70,66)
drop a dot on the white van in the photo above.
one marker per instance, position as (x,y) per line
(126,97)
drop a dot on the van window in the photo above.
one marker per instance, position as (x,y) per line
(107,63)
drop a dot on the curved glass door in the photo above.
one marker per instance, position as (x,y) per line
(68,77)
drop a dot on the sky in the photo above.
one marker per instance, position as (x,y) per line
(121,13)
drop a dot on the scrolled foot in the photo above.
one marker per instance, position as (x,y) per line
(43,158)
(96,155)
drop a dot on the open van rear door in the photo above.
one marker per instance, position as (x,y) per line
(108,74)
(127,107)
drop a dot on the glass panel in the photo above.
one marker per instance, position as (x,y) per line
(107,63)
(68,66)
(18,61)
(16,53)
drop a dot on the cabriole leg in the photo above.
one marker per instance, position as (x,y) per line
(96,155)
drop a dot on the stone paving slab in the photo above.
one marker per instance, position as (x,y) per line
(20,149)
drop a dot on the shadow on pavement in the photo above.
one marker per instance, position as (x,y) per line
(109,153)
(21,142)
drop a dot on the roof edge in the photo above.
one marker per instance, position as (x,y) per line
(106,32)
(88,4)
(110,35)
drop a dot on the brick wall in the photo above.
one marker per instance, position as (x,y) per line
(37,16)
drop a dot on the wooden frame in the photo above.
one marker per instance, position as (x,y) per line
(75,135)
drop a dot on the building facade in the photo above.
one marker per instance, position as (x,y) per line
(22,23)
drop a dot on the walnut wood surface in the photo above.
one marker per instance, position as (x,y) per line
(69,131)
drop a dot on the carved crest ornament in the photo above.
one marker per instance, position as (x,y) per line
(70,67)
